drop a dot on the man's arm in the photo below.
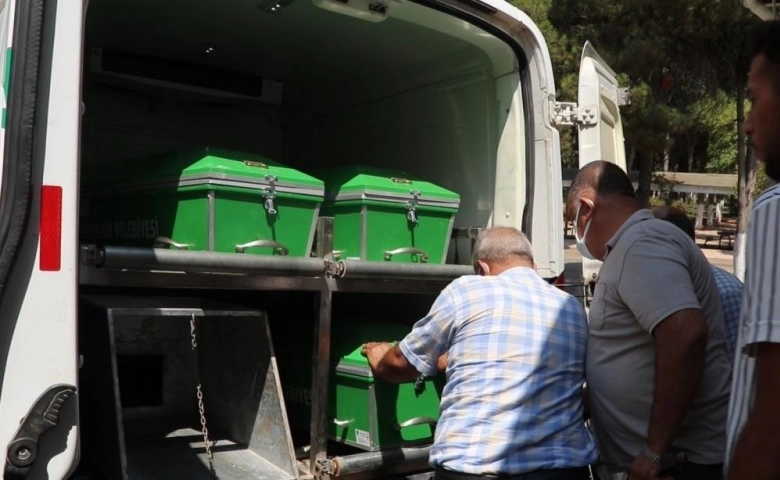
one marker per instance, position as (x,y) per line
(388,363)
(680,351)
(755,454)
(654,266)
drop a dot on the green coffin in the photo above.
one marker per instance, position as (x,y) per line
(386,215)
(209,199)
(364,412)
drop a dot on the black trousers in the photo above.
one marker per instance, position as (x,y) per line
(695,471)
(581,473)
(691,471)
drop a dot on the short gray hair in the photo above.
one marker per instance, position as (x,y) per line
(500,244)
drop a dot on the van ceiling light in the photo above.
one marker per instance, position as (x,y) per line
(371,10)
(273,6)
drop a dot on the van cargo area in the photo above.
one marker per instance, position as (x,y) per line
(397,91)
(420,91)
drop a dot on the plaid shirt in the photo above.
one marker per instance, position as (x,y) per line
(513,399)
(730,293)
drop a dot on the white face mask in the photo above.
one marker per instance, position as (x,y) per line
(581,247)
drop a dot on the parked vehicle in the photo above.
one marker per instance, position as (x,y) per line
(181,246)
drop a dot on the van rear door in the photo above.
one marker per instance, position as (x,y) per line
(600,127)
(40,59)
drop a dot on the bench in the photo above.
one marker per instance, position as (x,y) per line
(720,235)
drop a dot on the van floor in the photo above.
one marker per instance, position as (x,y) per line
(159,451)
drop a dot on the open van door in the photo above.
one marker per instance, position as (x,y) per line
(600,128)
(40,61)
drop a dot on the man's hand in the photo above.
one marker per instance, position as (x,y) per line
(375,352)
(442,363)
(644,469)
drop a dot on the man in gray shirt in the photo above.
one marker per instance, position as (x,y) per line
(657,368)
(729,286)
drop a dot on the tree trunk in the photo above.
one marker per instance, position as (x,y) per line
(746,173)
(632,157)
(691,149)
(645,179)
(666,154)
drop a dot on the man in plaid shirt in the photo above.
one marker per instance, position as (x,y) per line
(514,351)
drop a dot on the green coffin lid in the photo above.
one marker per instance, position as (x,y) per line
(349,337)
(201,166)
(370,183)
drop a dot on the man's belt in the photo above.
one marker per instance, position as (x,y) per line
(551,474)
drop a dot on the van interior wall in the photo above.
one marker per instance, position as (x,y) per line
(438,122)
(123,123)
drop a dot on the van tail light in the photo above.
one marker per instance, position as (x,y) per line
(51,228)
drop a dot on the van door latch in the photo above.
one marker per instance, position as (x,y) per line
(44,415)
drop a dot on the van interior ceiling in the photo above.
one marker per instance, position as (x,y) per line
(310,83)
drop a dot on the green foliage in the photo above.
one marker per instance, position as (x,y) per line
(689,207)
(683,62)
(719,124)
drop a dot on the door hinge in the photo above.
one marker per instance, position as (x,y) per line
(569,113)
(624,96)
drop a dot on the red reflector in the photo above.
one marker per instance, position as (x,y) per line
(51,228)
(559,281)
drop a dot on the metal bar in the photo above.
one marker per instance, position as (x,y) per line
(410,458)
(132,258)
(321,355)
(127,260)
(362,285)
(99,277)
(401,271)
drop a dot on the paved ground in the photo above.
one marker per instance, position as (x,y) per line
(722,258)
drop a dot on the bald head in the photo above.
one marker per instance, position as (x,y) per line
(500,248)
(676,217)
(604,179)
(600,199)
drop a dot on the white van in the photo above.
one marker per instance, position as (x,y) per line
(460,92)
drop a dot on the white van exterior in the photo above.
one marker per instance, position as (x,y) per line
(460,91)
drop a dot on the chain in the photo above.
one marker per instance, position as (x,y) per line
(192,332)
(201,408)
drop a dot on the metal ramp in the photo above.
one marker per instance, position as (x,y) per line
(139,382)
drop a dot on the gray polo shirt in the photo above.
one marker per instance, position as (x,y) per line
(652,271)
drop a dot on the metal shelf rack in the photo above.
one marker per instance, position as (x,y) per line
(128,267)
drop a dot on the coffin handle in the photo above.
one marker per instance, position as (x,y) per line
(162,242)
(416,421)
(341,423)
(278,247)
(390,253)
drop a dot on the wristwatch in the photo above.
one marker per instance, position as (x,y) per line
(665,461)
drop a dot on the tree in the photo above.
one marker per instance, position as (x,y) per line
(677,53)
(685,65)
